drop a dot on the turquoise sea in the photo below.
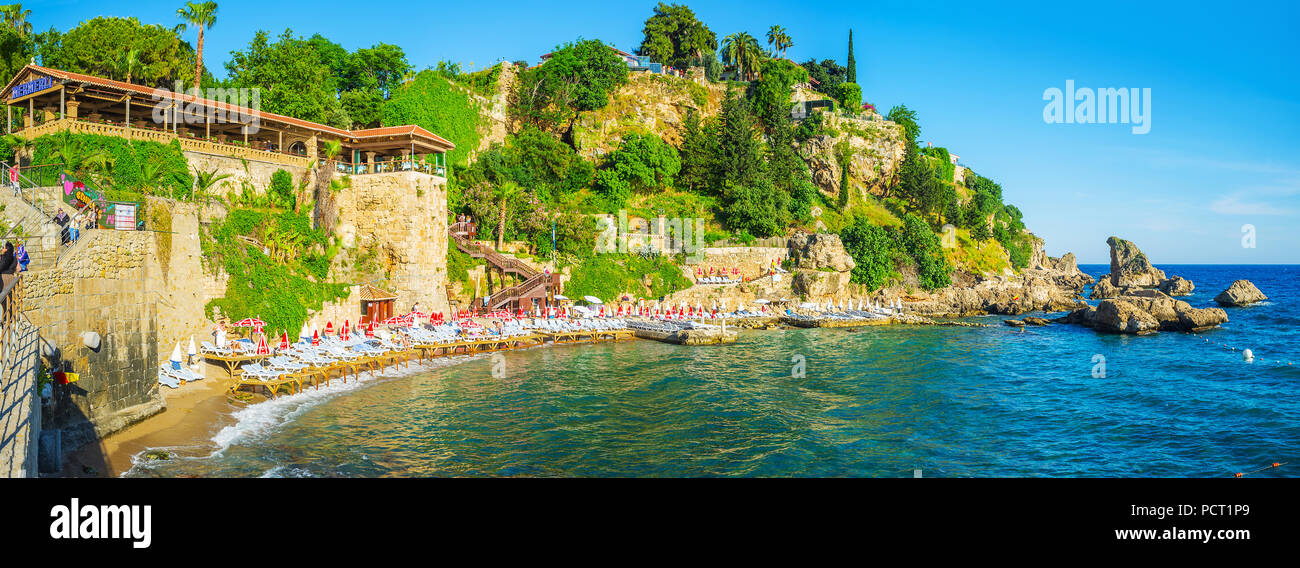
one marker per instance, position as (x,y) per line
(951,402)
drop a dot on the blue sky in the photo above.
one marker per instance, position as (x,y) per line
(1223,150)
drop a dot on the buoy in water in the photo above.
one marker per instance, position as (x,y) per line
(1247,355)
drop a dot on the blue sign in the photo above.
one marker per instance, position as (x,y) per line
(33,86)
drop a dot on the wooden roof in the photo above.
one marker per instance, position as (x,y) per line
(354,136)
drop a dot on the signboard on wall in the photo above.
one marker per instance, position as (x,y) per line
(122,215)
(34,86)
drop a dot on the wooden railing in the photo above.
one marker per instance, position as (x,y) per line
(502,262)
(526,289)
(11,308)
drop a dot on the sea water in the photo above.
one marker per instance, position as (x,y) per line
(879,401)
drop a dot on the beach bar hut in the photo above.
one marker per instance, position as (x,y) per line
(376,304)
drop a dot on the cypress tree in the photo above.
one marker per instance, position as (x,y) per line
(851,73)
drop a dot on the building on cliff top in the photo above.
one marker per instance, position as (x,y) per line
(226,122)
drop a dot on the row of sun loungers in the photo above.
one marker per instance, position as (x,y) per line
(169,377)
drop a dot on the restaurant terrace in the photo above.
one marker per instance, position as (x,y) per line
(54,101)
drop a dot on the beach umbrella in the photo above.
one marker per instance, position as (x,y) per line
(370,329)
(329,327)
(592,299)
(262,348)
(284,341)
(176,356)
(193,350)
(344,331)
(305,331)
(255,323)
(315,338)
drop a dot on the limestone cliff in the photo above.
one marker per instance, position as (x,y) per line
(648,103)
(874,149)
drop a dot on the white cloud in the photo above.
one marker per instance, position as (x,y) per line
(1234,205)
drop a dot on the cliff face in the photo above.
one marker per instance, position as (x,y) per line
(875,149)
(654,104)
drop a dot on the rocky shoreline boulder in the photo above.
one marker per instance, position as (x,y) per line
(1240,293)
(1177,286)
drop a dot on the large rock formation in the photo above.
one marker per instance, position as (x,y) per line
(1145,311)
(1131,271)
(1240,293)
(1130,267)
(817,251)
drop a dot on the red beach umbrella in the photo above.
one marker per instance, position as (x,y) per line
(284,341)
(329,327)
(315,338)
(251,322)
(262,348)
(344,332)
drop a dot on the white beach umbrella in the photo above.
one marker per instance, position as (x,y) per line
(592,299)
(560,297)
(221,338)
(193,350)
(176,353)
(306,332)
(762,301)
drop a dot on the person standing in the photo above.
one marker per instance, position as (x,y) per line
(8,264)
(20,255)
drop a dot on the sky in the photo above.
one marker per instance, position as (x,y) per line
(1220,164)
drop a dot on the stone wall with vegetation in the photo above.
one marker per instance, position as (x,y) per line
(399,220)
(647,104)
(102,287)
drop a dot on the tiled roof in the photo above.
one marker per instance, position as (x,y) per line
(189,98)
(372,294)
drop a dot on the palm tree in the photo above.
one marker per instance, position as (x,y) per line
(15,17)
(203,15)
(204,181)
(20,145)
(505,194)
(126,64)
(744,52)
(778,39)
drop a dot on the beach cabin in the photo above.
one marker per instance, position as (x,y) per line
(376,304)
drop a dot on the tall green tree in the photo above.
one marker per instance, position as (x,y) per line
(851,68)
(673,36)
(293,79)
(95,46)
(906,118)
(203,15)
(579,76)
(14,17)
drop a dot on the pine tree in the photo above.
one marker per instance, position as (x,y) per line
(851,73)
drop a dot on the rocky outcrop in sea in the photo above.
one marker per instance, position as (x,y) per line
(1240,293)
(1143,312)
(1131,271)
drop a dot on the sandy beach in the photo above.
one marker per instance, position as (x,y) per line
(194,413)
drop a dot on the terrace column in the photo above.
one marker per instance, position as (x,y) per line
(63,105)
(71,109)
(127,122)
(311,148)
(9,119)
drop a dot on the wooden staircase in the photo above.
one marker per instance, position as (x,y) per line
(535,284)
